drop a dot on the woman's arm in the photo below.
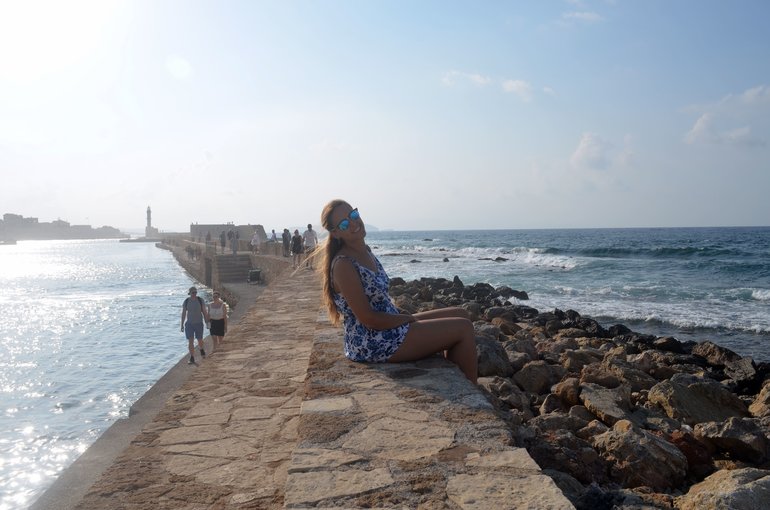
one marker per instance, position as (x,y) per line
(347,280)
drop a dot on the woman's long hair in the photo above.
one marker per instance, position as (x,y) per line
(328,251)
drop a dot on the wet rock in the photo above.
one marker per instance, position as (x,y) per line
(639,458)
(714,354)
(506,292)
(744,373)
(668,343)
(739,489)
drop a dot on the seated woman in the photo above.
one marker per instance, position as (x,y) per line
(355,288)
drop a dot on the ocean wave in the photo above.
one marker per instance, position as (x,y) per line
(535,257)
(761,294)
(650,252)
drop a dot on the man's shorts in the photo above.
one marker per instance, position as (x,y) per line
(193,329)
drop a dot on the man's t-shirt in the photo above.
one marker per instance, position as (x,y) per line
(310,238)
(194,310)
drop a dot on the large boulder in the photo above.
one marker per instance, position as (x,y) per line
(568,391)
(505,391)
(695,400)
(492,359)
(640,459)
(610,405)
(564,451)
(738,489)
(714,355)
(629,375)
(761,405)
(599,373)
(575,360)
(741,438)
(539,376)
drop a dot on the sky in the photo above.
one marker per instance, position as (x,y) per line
(423,114)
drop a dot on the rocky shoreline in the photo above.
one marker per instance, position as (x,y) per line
(618,419)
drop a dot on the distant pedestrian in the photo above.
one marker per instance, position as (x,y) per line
(222,240)
(234,237)
(309,241)
(218,316)
(273,237)
(255,242)
(194,313)
(286,239)
(296,248)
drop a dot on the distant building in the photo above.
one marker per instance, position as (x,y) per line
(17,227)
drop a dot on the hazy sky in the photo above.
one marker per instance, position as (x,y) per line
(424,114)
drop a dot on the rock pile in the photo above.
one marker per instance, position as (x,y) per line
(618,419)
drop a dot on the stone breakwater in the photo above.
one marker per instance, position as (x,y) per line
(618,419)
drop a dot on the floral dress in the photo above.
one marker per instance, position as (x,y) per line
(363,343)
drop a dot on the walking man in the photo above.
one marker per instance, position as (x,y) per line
(310,241)
(194,310)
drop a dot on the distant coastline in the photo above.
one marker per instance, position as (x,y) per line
(14,227)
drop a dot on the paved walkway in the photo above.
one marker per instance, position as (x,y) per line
(277,418)
(225,437)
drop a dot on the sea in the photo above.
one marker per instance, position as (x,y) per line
(90,326)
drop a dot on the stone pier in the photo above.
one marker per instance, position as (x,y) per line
(278,418)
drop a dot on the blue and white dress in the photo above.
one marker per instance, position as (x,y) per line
(363,343)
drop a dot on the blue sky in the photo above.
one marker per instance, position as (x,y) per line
(425,115)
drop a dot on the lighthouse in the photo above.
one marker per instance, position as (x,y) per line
(149,231)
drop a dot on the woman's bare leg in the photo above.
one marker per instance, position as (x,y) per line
(454,335)
(440,313)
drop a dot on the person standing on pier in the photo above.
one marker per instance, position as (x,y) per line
(222,240)
(218,317)
(310,241)
(194,313)
(355,292)
(296,248)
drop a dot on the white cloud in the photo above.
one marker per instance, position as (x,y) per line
(756,96)
(519,87)
(454,77)
(591,153)
(736,119)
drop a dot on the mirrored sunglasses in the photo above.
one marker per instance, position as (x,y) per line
(345,223)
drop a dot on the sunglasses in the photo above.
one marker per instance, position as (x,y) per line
(345,224)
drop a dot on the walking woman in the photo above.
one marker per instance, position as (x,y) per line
(355,291)
(218,317)
(296,248)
